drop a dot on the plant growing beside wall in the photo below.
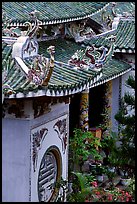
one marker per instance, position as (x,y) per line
(106,114)
(126,119)
(82,145)
(81,187)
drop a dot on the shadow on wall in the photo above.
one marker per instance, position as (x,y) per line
(96,105)
(74,112)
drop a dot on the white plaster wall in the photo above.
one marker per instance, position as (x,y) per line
(115,103)
(15,160)
(58,112)
(19,182)
(124,88)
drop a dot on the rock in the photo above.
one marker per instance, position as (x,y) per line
(116,180)
(85,167)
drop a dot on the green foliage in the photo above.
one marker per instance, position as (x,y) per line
(81,187)
(131,187)
(131,82)
(126,151)
(100,170)
(109,139)
(83,144)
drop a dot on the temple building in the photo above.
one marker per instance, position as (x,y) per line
(61,62)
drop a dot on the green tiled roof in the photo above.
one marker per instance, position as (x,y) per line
(64,80)
(6,51)
(64,49)
(125,37)
(114,69)
(51,11)
(121,8)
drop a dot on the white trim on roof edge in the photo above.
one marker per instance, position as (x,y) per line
(93,83)
(63,20)
(124,50)
(110,78)
(55,94)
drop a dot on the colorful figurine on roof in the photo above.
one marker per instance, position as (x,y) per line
(32,30)
(92,58)
(6,66)
(79,31)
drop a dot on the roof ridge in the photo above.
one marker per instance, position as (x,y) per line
(66,16)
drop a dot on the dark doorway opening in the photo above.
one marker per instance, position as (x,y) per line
(96,108)
(96,105)
(74,110)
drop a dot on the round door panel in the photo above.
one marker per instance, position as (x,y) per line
(49,174)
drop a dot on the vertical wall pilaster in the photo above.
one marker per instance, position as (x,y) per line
(84,106)
(109,103)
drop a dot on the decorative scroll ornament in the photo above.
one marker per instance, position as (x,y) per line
(61,129)
(6,89)
(24,47)
(80,31)
(42,68)
(37,140)
(32,29)
(6,31)
(91,57)
(16,31)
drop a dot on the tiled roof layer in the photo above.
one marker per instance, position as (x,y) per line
(48,11)
(63,49)
(125,37)
(121,9)
(64,80)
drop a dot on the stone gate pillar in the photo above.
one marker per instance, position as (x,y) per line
(109,103)
(84,106)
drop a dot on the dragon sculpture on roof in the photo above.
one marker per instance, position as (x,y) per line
(92,57)
(32,28)
(41,68)
(79,31)
(6,88)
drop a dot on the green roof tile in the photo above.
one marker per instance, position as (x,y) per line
(64,78)
(63,49)
(121,8)
(125,36)
(18,11)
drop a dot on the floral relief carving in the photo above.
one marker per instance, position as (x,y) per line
(61,128)
(37,140)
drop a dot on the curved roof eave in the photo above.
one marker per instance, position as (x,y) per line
(111,71)
(56,93)
(54,18)
(125,37)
